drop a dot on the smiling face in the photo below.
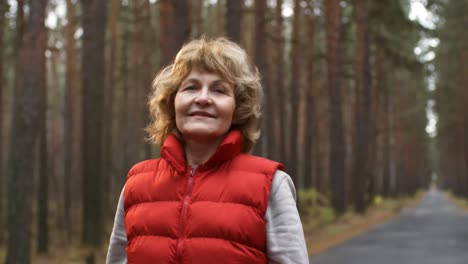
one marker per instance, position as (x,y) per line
(204,106)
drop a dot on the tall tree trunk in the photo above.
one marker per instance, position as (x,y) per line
(391,134)
(260,61)
(167,35)
(233,19)
(337,151)
(310,160)
(43,190)
(362,107)
(464,83)
(124,116)
(108,153)
(27,108)
(280,89)
(220,18)
(196,17)
(175,28)
(142,65)
(148,72)
(70,121)
(273,85)
(295,94)
(3,11)
(384,126)
(92,68)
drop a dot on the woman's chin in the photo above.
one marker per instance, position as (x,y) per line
(202,135)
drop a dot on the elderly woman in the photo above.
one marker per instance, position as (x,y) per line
(206,200)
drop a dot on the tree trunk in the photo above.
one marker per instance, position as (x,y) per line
(196,17)
(108,152)
(260,37)
(220,18)
(310,160)
(295,95)
(30,85)
(337,151)
(233,19)
(92,68)
(124,116)
(167,36)
(43,190)
(140,63)
(391,134)
(362,107)
(280,89)
(70,120)
(175,28)
(464,84)
(3,11)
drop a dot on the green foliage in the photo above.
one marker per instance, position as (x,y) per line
(316,205)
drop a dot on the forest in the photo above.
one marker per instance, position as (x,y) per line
(362,100)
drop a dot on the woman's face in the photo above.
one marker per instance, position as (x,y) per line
(204,106)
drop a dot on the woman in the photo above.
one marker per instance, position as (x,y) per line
(206,200)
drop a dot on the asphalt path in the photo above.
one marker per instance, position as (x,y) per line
(434,232)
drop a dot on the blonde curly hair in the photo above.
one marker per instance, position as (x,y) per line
(220,56)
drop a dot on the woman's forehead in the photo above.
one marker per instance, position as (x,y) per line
(203,69)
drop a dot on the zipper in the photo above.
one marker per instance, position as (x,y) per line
(183,214)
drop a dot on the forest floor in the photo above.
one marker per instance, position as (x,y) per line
(462,203)
(318,237)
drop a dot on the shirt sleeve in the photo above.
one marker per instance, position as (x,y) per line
(116,253)
(284,233)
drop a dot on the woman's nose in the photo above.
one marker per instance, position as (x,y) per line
(203,97)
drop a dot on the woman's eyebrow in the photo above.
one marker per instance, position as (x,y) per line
(191,80)
(220,81)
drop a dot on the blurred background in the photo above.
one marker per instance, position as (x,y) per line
(365,101)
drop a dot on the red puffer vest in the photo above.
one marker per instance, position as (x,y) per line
(214,214)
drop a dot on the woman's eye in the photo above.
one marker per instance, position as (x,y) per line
(188,88)
(220,90)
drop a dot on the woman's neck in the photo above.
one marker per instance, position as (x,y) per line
(199,152)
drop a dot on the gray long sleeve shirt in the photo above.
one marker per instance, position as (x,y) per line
(284,234)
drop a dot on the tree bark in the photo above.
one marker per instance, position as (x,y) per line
(43,189)
(280,89)
(3,11)
(295,97)
(174,28)
(196,17)
(92,68)
(29,86)
(362,107)
(109,98)
(233,19)
(70,120)
(337,151)
(260,37)
(220,26)
(464,83)
(311,133)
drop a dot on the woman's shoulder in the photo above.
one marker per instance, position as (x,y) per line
(253,162)
(144,166)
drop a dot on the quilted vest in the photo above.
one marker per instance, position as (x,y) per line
(213,214)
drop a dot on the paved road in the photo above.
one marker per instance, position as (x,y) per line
(435,232)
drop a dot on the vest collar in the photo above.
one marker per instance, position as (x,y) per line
(173,151)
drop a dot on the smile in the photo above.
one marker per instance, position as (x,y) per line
(201,114)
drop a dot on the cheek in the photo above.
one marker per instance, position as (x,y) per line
(178,109)
(178,104)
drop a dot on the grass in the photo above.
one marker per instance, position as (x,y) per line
(458,201)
